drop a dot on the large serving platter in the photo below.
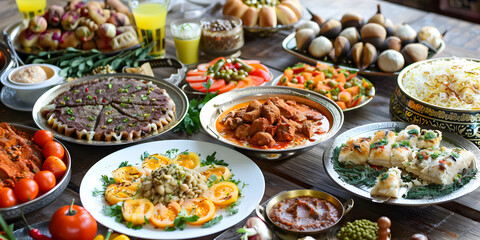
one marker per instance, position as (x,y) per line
(241,166)
(13,30)
(363,103)
(449,140)
(44,199)
(290,45)
(178,96)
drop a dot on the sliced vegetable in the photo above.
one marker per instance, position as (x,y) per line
(120,192)
(201,207)
(127,174)
(224,193)
(188,159)
(164,216)
(195,79)
(135,211)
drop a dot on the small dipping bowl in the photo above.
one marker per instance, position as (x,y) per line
(30,92)
(264,213)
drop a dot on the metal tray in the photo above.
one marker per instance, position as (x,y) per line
(178,96)
(46,198)
(448,140)
(14,29)
(365,102)
(290,45)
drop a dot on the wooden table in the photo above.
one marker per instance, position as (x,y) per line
(459,219)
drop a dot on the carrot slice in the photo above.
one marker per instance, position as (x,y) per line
(340,78)
(289,74)
(260,73)
(203,67)
(342,105)
(296,85)
(256,80)
(251,61)
(215,61)
(320,77)
(259,66)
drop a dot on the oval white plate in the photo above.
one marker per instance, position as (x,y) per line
(242,167)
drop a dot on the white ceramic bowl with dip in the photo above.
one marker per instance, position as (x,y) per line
(29,90)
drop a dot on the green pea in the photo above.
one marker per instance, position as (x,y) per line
(230,71)
(223,71)
(332,83)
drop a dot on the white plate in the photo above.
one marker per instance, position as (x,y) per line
(243,168)
(449,140)
(9,99)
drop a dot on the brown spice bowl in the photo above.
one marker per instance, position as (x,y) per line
(407,108)
(223,102)
(264,213)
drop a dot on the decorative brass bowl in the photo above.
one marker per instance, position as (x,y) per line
(264,213)
(407,108)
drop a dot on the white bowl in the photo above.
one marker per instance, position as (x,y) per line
(30,92)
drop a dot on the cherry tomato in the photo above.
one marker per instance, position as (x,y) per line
(46,180)
(26,189)
(7,198)
(53,148)
(300,79)
(238,65)
(55,165)
(73,223)
(42,136)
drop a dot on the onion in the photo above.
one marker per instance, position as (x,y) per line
(255,229)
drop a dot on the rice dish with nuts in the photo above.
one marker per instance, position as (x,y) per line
(453,83)
(173,183)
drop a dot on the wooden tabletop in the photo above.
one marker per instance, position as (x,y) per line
(459,219)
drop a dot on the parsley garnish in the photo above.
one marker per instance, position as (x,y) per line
(430,136)
(172,153)
(231,209)
(124,164)
(114,211)
(413,132)
(191,122)
(106,182)
(181,221)
(212,160)
(384,176)
(144,155)
(212,222)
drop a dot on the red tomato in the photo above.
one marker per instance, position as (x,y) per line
(53,148)
(46,180)
(42,136)
(55,165)
(195,72)
(238,65)
(230,86)
(256,80)
(260,73)
(26,189)
(300,79)
(7,198)
(195,79)
(203,67)
(217,85)
(72,223)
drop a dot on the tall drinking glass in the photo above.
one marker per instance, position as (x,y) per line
(30,8)
(150,17)
(186,35)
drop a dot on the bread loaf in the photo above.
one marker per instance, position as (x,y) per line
(250,17)
(285,13)
(267,17)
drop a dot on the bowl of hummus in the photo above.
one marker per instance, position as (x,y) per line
(31,81)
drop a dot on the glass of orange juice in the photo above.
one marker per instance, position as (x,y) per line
(150,17)
(30,8)
(186,35)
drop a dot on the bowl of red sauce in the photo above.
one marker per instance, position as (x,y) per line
(271,123)
(304,212)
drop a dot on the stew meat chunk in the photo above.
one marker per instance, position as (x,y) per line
(274,120)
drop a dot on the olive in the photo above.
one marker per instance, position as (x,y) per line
(332,83)
(242,76)
(227,77)
(294,80)
(334,97)
(234,75)
(323,91)
(347,85)
(229,71)
(223,71)
(328,75)
(241,71)
(309,82)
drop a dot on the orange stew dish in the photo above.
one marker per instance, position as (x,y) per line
(274,123)
(341,85)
